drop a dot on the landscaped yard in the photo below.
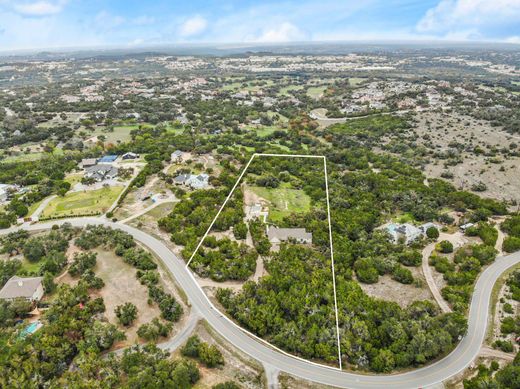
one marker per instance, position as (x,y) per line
(283,201)
(81,203)
(316,91)
(265,130)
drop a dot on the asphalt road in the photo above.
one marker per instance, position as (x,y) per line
(456,361)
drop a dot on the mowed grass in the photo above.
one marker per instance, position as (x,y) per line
(283,201)
(81,203)
(265,130)
(285,91)
(316,92)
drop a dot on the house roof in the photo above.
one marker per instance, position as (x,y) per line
(88,161)
(20,287)
(283,234)
(177,153)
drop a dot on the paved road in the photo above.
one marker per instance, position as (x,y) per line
(459,359)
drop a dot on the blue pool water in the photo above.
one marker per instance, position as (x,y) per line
(30,329)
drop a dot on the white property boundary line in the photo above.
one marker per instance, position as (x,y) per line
(330,240)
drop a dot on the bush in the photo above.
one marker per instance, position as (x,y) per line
(511,244)
(366,271)
(445,247)
(503,345)
(432,233)
(191,348)
(210,355)
(126,313)
(240,230)
(402,275)
(154,330)
(82,263)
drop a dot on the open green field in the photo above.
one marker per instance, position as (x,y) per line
(265,130)
(27,157)
(355,81)
(285,91)
(79,203)
(284,201)
(316,92)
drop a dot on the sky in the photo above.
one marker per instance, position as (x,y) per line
(45,24)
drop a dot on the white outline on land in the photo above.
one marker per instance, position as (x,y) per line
(330,240)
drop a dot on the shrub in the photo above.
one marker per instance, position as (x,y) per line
(366,271)
(511,244)
(432,233)
(126,313)
(154,330)
(445,247)
(402,275)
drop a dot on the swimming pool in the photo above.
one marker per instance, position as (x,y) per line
(30,329)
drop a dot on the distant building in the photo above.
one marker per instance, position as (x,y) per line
(6,192)
(177,156)
(107,159)
(130,155)
(464,227)
(30,289)
(278,235)
(194,181)
(88,162)
(101,172)
(406,232)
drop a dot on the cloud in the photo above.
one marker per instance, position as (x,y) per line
(455,15)
(106,21)
(193,26)
(39,8)
(513,39)
(285,32)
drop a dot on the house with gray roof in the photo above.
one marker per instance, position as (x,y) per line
(101,172)
(30,289)
(194,181)
(278,235)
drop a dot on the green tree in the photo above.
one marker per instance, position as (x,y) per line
(126,313)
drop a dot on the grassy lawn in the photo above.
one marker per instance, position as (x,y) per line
(355,81)
(161,210)
(286,89)
(31,267)
(78,203)
(265,130)
(284,201)
(316,92)
(74,178)
(27,157)
(34,207)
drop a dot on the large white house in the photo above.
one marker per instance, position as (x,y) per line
(30,289)
(407,232)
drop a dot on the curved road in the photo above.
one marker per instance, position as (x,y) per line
(437,372)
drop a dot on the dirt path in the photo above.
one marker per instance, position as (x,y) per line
(170,199)
(501,236)
(457,239)
(490,352)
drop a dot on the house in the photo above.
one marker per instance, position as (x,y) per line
(277,235)
(406,232)
(194,181)
(107,159)
(177,156)
(464,227)
(130,155)
(6,191)
(30,289)
(101,172)
(88,162)
(253,211)
(426,226)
